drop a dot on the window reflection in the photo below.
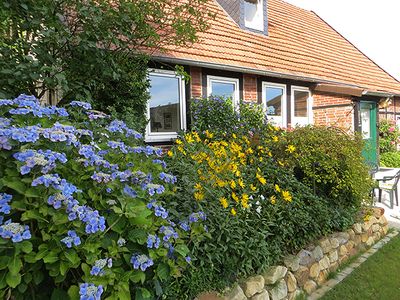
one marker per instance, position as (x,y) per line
(300,103)
(164,103)
(223,89)
(274,101)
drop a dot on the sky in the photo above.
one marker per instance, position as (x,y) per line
(373,26)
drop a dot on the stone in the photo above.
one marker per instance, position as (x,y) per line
(370,241)
(357,228)
(325,245)
(314,270)
(279,291)
(236,294)
(377,236)
(351,234)
(292,262)
(378,212)
(253,285)
(302,275)
(261,296)
(322,277)
(309,287)
(334,243)
(305,258)
(364,237)
(291,282)
(324,263)
(353,252)
(343,259)
(376,228)
(349,245)
(382,220)
(209,296)
(385,229)
(357,240)
(333,267)
(318,253)
(274,274)
(295,295)
(343,251)
(343,237)
(333,256)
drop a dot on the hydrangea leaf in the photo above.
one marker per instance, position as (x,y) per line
(15,184)
(15,265)
(73,292)
(13,279)
(4,261)
(72,256)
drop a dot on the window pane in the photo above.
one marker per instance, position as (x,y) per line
(300,103)
(274,101)
(254,14)
(365,123)
(164,104)
(224,89)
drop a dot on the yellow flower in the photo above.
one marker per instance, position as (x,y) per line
(261,179)
(272,199)
(367,217)
(237,173)
(270,154)
(249,151)
(189,138)
(196,136)
(245,201)
(232,184)
(179,142)
(275,138)
(291,149)
(241,183)
(223,202)
(234,136)
(221,183)
(198,186)
(209,134)
(198,196)
(286,196)
(277,188)
(235,197)
(170,154)
(281,163)
(233,212)
(253,188)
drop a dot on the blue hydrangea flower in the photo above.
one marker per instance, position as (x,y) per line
(45,159)
(185,226)
(109,190)
(195,217)
(101,177)
(130,191)
(15,231)
(88,291)
(121,127)
(6,102)
(160,162)
(99,265)
(154,188)
(153,241)
(61,133)
(168,232)
(47,180)
(121,242)
(4,143)
(71,239)
(84,105)
(28,134)
(160,211)
(141,261)
(168,178)
(188,259)
(4,203)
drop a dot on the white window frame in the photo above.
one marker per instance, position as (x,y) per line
(301,121)
(167,136)
(257,24)
(283,117)
(235,81)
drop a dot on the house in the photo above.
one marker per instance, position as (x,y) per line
(282,56)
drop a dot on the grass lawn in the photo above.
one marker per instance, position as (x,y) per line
(377,278)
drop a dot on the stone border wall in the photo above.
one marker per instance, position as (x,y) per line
(309,269)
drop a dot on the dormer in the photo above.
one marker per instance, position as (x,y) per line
(248,14)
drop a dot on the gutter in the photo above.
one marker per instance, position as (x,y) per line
(196,63)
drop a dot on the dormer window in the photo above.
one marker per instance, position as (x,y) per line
(254,14)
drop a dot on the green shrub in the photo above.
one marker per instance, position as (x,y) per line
(328,161)
(81,207)
(390,159)
(256,210)
(389,136)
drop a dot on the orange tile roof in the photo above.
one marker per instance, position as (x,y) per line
(299,43)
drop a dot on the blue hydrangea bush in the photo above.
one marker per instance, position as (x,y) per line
(82,209)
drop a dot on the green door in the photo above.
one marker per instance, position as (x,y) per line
(368,131)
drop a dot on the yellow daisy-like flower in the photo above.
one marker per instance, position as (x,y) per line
(209,134)
(179,142)
(235,197)
(234,136)
(275,138)
(253,188)
(170,153)
(241,183)
(280,163)
(237,173)
(223,202)
(286,196)
(245,201)
(249,151)
(261,179)
(291,149)
(272,199)
(233,212)
(199,196)
(189,138)
(277,188)
(232,184)
(198,186)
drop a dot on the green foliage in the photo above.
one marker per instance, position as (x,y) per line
(110,179)
(218,115)
(330,162)
(390,159)
(389,136)
(91,50)
(257,211)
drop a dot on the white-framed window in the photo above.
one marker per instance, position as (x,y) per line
(274,102)
(254,14)
(301,106)
(224,87)
(166,110)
